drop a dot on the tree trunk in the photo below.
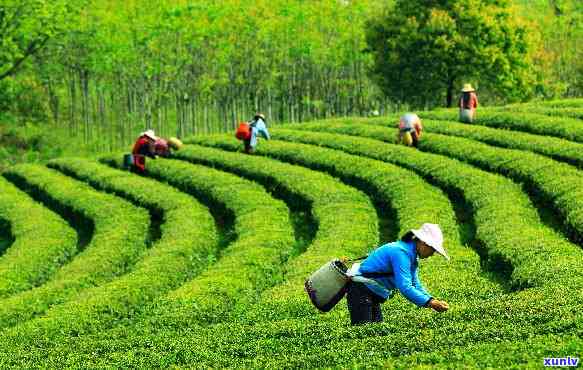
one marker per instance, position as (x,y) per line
(450,88)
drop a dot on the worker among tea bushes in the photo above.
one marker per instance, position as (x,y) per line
(144,147)
(257,127)
(163,147)
(468,104)
(392,267)
(409,126)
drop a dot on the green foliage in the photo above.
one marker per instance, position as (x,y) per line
(562,127)
(558,184)
(341,214)
(42,242)
(492,197)
(556,148)
(559,112)
(558,58)
(562,103)
(27,25)
(424,51)
(249,265)
(24,143)
(113,249)
(184,249)
(514,302)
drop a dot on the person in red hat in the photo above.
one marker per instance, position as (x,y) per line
(144,147)
(391,267)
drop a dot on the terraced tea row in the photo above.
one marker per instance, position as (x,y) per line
(406,335)
(404,191)
(346,219)
(560,103)
(559,184)
(492,197)
(269,323)
(41,241)
(555,112)
(556,148)
(187,243)
(113,250)
(562,127)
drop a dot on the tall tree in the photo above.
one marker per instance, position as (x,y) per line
(26,26)
(424,49)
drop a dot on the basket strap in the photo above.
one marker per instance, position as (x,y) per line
(365,280)
(358,258)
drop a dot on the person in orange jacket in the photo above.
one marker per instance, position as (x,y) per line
(144,147)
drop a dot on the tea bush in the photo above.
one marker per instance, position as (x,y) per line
(248,266)
(117,243)
(492,198)
(346,219)
(562,127)
(42,241)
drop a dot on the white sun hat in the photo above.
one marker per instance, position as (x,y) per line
(432,236)
(150,134)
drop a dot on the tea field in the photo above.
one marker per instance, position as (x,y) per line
(201,263)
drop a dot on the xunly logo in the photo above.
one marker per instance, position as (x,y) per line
(561,361)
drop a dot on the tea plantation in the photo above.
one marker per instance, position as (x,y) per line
(201,263)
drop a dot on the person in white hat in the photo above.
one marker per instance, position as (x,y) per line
(410,127)
(143,147)
(257,126)
(390,267)
(468,104)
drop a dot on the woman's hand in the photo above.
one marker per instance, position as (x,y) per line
(439,306)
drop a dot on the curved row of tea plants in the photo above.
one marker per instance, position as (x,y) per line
(413,200)
(559,184)
(563,127)
(500,208)
(561,103)
(248,266)
(118,241)
(569,112)
(188,240)
(42,241)
(406,334)
(556,148)
(347,222)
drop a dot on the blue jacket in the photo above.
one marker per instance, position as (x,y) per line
(400,258)
(258,128)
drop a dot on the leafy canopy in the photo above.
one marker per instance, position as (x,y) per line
(27,25)
(424,50)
